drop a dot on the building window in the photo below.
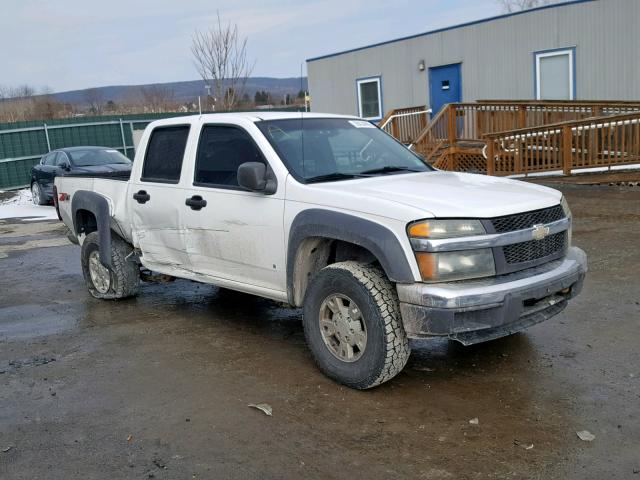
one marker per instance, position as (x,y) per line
(369,98)
(555,74)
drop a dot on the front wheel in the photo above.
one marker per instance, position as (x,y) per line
(353,326)
(120,280)
(37,195)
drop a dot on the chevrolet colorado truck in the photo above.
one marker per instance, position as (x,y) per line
(331,214)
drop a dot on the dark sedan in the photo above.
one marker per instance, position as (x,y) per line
(76,160)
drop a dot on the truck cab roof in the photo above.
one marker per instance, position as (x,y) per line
(230,117)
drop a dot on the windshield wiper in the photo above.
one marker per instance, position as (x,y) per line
(389,169)
(333,176)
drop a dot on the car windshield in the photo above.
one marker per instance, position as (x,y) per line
(328,149)
(95,157)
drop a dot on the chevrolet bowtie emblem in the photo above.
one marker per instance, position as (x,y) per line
(539,232)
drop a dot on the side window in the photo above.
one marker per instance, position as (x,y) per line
(221,150)
(165,151)
(61,159)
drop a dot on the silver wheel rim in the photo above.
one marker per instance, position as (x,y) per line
(342,328)
(100,276)
(35,193)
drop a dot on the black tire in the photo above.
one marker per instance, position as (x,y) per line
(37,194)
(387,349)
(124,274)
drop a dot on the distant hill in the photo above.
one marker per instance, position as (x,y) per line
(186,91)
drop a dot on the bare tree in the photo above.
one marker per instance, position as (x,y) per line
(23,91)
(220,56)
(510,6)
(157,99)
(95,100)
(45,106)
(24,102)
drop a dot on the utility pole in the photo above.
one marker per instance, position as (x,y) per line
(207,87)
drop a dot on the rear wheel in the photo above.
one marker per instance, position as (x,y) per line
(353,326)
(37,195)
(120,280)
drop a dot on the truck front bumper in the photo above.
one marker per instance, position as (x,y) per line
(480,310)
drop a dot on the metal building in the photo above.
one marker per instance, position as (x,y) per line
(578,50)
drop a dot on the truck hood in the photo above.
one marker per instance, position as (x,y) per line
(441,194)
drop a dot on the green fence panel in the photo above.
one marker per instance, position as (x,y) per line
(16,174)
(23,143)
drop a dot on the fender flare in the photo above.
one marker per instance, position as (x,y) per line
(98,205)
(376,238)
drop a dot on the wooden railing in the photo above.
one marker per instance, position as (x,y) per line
(471,121)
(455,137)
(405,124)
(565,146)
(436,135)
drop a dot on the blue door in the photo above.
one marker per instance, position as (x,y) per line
(444,86)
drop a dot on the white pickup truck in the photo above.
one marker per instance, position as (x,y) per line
(331,214)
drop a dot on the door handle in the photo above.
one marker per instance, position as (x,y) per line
(142,196)
(196,202)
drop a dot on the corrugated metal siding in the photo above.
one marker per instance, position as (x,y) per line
(497,58)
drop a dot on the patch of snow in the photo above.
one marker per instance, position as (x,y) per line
(21,206)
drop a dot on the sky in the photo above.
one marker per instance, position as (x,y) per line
(75,44)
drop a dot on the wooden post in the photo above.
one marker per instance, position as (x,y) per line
(394,129)
(522,116)
(491,167)
(567,137)
(451,126)
(517,160)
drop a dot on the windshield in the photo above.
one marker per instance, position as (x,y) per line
(326,149)
(94,157)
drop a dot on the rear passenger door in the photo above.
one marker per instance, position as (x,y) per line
(157,201)
(238,235)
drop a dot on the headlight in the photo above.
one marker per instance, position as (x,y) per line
(460,265)
(567,212)
(456,265)
(445,228)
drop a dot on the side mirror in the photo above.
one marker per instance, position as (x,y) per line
(254,176)
(66,166)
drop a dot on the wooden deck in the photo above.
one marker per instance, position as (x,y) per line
(524,136)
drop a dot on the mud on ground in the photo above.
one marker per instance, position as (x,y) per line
(158,386)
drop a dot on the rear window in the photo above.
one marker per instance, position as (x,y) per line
(165,151)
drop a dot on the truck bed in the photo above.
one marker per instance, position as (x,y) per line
(111,185)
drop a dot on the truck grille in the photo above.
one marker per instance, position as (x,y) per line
(534,249)
(520,221)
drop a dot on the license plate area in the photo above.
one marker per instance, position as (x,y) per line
(533,305)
